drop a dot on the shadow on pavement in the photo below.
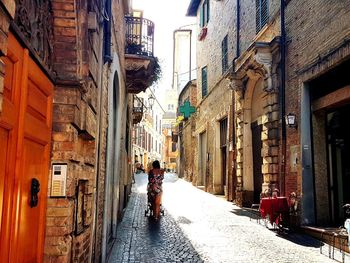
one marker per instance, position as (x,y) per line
(142,239)
(300,239)
(294,237)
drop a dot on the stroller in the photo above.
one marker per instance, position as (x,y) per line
(149,210)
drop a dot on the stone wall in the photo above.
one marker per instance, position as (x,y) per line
(188,142)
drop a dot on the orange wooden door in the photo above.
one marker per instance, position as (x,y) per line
(25,135)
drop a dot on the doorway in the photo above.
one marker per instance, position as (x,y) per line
(202,159)
(223,148)
(257,160)
(338,146)
(112,180)
(25,136)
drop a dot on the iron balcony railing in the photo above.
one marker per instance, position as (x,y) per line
(139,36)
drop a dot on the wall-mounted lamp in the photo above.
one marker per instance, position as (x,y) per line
(291,120)
(151,101)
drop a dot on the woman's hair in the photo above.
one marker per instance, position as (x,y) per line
(156,164)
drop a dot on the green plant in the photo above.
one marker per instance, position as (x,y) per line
(157,71)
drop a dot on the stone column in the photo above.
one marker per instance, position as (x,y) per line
(238,95)
(270,122)
(7,13)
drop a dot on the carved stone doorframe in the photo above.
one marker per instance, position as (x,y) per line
(255,84)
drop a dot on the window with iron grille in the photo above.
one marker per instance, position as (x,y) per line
(204,13)
(224,54)
(204,82)
(223,132)
(262,14)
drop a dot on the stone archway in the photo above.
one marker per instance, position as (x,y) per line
(256,106)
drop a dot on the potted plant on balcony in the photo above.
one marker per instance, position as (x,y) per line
(133,47)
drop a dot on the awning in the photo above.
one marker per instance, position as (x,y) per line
(193,7)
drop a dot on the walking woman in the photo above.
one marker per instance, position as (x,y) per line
(154,188)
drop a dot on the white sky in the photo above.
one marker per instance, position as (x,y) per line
(167,16)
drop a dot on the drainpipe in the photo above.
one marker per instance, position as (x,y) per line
(107,31)
(282,98)
(238,27)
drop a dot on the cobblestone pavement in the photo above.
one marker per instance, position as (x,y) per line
(199,227)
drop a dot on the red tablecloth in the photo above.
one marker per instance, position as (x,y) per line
(274,207)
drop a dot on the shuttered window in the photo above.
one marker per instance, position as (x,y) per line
(223,132)
(224,56)
(262,14)
(204,82)
(204,13)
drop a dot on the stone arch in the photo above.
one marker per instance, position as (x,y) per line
(258,104)
(112,157)
(253,112)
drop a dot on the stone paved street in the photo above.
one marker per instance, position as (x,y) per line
(199,227)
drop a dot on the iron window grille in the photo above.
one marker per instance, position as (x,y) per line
(224,56)
(204,82)
(262,14)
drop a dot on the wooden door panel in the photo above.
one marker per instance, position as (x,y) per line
(8,144)
(4,138)
(36,129)
(29,222)
(25,135)
(40,84)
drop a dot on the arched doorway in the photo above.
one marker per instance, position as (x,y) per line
(112,176)
(252,138)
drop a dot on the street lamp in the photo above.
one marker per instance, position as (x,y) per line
(291,120)
(151,101)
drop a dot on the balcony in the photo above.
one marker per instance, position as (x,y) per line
(142,68)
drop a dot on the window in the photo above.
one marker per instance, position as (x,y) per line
(262,14)
(204,13)
(173,147)
(223,132)
(204,82)
(224,56)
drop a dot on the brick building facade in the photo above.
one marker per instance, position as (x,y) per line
(318,55)
(239,62)
(263,85)
(65,123)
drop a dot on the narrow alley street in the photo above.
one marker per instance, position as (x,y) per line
(199,227)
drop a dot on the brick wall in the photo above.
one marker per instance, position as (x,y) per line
(221,23)
(76,52)
(314,29)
